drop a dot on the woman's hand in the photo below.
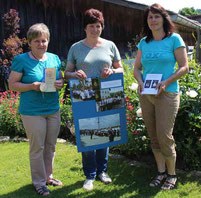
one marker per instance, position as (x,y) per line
(140,87)
(59,84)
(161,87)
(80,74)
(36,86)
(106,72)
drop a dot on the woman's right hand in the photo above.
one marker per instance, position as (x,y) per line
(36,86)
(80,74)
(140,87)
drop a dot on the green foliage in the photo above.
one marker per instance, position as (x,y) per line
(65,109)
(10,120)
(138,141)
(189,11)
(12,46)
(188,122)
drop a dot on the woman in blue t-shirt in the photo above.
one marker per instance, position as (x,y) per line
(158,53)
(39,109)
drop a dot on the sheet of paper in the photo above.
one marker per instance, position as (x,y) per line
(150,83)
(50,78)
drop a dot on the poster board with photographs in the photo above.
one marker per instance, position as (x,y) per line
(99,112)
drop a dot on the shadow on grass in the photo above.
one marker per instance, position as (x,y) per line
(128,182)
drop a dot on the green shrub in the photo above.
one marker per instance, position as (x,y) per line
(10,120)
(138,140)
(187,131)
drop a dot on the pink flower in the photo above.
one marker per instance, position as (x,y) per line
(130,107)
(135,132)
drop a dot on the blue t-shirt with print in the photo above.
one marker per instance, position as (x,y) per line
(158,58)
(36,102)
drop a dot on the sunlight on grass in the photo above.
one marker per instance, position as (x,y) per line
(128,181)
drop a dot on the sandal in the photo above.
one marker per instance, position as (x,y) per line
(42,190)
(159,178)
(54,182)
(170,182)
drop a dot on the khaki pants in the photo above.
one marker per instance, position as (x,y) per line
(159,115)
(42,132)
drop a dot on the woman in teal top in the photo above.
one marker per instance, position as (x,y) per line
(93,56)
(39,110)
(158,53)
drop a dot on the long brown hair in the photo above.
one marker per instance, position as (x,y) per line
(168,25)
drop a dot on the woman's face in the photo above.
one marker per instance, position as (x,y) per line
(155,21)
(39,45)
(93,30)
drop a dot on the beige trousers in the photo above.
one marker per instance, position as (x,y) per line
(159,115)
(42,132)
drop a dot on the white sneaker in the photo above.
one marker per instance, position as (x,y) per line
(104,177)
(88,184)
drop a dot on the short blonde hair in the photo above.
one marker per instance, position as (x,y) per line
(37,30)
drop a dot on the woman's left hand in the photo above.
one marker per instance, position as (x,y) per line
(106,72)
(59,84)
(161,87)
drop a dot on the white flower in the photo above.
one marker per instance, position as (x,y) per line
(192,93)
(144,138)
(134,86)
(139,112)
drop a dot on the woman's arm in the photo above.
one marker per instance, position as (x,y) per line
(15,83)
(137,72)
(117,68)
(71,73)
(182,59)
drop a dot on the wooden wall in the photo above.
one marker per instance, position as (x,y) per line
(65,21)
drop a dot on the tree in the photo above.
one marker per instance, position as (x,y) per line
(189,11)
(12,46)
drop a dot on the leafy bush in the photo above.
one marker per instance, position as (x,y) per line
(138,140)
(11,123)
(10,120)
(12,46)
(187,131)
(66,114)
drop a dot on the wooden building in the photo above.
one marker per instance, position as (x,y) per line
(123,21)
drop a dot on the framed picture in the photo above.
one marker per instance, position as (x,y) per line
(99,112)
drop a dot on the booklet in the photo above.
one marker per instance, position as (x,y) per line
(150,83)
(50,78)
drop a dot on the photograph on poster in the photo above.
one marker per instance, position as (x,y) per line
(112,98)
(83,90)
(99,130)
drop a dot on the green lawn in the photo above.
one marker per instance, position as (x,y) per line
(128,181)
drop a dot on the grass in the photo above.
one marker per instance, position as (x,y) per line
(128,181)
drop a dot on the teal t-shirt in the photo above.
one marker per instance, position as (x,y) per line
(158,58)
(36,102)
(93,60)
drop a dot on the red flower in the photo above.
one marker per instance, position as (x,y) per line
(135,132)
(130,107)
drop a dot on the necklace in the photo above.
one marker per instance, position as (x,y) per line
(35,56)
